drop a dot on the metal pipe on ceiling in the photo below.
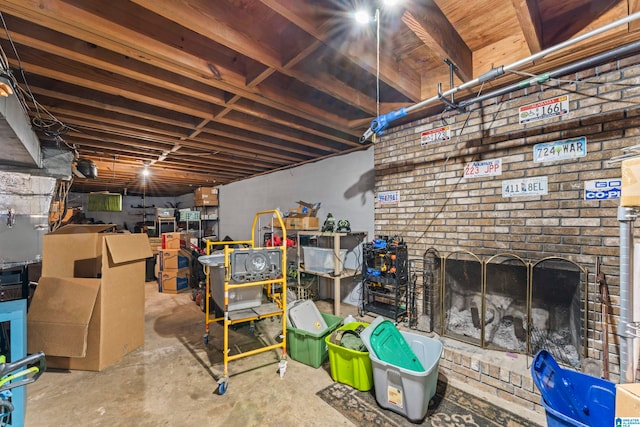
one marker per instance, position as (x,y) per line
(571,68)
(380,123)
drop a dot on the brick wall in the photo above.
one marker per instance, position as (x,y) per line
(440,208)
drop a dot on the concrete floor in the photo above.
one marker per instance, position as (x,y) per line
(170,380)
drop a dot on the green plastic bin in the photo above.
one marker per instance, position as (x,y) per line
(348,366)
(311,348)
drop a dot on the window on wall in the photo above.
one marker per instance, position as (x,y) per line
(105,202)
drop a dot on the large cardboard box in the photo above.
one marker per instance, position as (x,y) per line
(155,243)
(302,223)
(174,259)
(205,193)
(174,281)
(211,200)
(174,240)
(628,404)
(88,309)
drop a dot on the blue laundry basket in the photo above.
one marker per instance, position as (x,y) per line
(572,398)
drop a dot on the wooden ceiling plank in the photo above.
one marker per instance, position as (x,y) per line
(69,19)
(134,70)
(528,14)
(93,102)
(136,91)
(230,148)
(213,20)
(405,80)
(100,81)
(291,154)
(634,7)
(96,35)
(429,24)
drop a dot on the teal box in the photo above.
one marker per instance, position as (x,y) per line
(311,348)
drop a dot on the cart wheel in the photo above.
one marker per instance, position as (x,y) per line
(222,386)
(205,339)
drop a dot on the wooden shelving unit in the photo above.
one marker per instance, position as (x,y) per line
(334,242)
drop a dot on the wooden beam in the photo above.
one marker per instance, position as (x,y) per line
(429,24)
(528,14)
(298,12)
(634,7)
(95,30)
(218,22)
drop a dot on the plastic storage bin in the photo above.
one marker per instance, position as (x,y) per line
(572,398)
(322,260)
(348,366)
(311,348)
(389,345)
(402,390)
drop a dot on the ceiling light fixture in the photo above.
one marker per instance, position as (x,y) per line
(363,17)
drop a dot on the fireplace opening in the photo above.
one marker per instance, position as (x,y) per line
(558,309)
(505,309)
(508,304)
(463,297)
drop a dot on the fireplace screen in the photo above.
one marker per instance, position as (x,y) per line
(558,309)
(505,303)
(508,304)
(462,297)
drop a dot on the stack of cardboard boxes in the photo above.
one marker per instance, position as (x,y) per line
(175,263)
(302,217)
(205,196)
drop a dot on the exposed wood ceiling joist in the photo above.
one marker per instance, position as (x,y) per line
(210,92)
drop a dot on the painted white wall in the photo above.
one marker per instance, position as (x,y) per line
(343,185)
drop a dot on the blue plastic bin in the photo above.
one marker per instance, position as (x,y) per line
(572,398)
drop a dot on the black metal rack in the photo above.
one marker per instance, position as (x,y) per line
(385,272)
(13,284)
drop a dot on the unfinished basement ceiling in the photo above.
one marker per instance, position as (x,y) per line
(211,92)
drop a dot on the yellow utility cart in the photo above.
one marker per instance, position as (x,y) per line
(236,282)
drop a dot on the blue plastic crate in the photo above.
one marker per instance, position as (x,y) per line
(572,398)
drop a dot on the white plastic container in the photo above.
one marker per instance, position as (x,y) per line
(306,317)
(322,260)
(402,390)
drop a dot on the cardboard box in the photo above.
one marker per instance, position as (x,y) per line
(628,404)
(88,309)
(302,223)
(205,192)
(155,243)
(630,193)
(174,281)
(174,240)
(174,259)
(304,209)
(211,200)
